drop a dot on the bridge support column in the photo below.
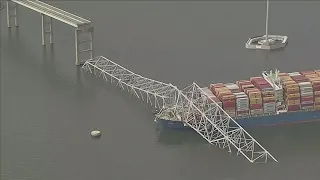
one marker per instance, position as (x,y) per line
(83,44)
(46,29)
(12,12)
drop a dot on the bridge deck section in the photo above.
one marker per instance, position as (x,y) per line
(53,12)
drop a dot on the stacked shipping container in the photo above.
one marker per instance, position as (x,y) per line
(211,96)
(291,92)
(242,100)
(301,90)
(268,94)
(242,103)
(314,79)
(306,90)
(254,97)
(316,89)
(226,96)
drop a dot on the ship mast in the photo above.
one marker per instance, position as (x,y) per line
(267,22)
(267,42)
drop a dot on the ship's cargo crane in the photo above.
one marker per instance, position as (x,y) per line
(274,80)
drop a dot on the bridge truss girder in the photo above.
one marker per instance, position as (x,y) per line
(209,120)
(190,104)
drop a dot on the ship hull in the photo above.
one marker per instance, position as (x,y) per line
(264,121)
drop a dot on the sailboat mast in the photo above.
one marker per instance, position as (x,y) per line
(267,21)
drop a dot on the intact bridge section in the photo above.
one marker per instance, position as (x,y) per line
(207,119)
(83,29)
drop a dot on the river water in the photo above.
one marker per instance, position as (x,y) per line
(49,106)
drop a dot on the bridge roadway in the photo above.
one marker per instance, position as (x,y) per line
(214,125)
(53,12)
(83,28)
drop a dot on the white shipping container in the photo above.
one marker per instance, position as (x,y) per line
(305,84)
(302,88)
(294,74)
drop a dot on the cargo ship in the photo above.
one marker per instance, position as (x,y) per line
(268,100)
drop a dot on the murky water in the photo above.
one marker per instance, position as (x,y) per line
(49,106)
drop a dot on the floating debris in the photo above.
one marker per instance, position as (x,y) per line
(95,133)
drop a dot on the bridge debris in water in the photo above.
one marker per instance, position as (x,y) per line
(208,119)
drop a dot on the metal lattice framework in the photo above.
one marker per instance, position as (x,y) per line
(190,105)
(154,92)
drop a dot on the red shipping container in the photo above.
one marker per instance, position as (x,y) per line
(307,72)
(242,82)
(309,104)
(242,112)
(298,76)
(217,85)
(316,88)
(264,86)
(214,86)
(228,104)
(255,106)
(269,101)
(230,109)
(294,108)
(213,90)
(302,80)
(256,78)
(306,98)
(260,82)
(316,83)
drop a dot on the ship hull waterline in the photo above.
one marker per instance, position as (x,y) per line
(252,122)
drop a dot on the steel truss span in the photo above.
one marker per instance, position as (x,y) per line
(190,105)
(154,92)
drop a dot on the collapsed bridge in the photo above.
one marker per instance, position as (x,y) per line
(208,119)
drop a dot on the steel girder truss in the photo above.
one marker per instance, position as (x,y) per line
(198,111)
(190,105)
(154,92)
